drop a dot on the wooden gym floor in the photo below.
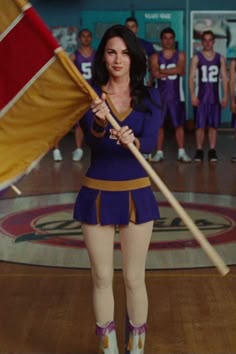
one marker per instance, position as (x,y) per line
(48,310)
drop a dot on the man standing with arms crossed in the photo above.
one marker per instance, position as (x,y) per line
(168,67)
(83,59)
(210,66)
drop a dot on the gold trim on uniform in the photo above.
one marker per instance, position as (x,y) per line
(120,116)
(132,210)
(116,186)
(98,207)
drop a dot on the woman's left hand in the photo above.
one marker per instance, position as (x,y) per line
(125,135)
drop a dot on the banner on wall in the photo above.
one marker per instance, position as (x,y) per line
(67,37)
(222,24)
(151,23)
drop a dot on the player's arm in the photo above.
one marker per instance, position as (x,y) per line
(232,78)
(155,67)
(179,69)
(224,77)
(192,74)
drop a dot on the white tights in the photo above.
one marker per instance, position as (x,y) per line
(134,241)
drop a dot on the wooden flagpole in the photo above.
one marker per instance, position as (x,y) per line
(198,235)
(15,189)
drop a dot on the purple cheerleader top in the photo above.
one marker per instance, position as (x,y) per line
(116,188)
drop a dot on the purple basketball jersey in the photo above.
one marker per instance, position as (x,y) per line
(169,87)
(208,79)
(172,97)
(84,64)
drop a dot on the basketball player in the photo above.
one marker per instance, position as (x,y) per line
(210,66)
(168,66)
(83,59)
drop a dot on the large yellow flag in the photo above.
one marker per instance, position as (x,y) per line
(42,94)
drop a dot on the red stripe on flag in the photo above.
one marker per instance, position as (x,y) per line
(40,26)
(23,52)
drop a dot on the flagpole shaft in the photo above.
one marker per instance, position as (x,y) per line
(209,250)
(198,235)
(15,189)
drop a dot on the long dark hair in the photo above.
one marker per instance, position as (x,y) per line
(137,62)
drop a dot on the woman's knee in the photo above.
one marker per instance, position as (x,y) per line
(134,279)
(102,278)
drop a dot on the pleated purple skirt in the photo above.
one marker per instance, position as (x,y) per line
(93,206)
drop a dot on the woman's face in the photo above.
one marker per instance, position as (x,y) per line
(117,58)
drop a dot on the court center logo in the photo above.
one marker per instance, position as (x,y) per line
(54,226)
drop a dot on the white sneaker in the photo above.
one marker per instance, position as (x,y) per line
(147,157)
(158,156)
(183,157)
(57,156)
(77,154)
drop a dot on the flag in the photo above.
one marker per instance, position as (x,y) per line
(42,94)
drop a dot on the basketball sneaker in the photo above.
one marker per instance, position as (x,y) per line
(198,157)
(183,157)
(212,157)
(158,156)
(77,154)
(57,156)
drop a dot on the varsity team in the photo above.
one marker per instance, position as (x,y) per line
(166,70)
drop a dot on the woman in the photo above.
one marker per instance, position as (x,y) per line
(116,189)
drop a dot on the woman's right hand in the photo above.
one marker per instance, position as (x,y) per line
(125,135)
(100,108)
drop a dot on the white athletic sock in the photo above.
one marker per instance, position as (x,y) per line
(181,151)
